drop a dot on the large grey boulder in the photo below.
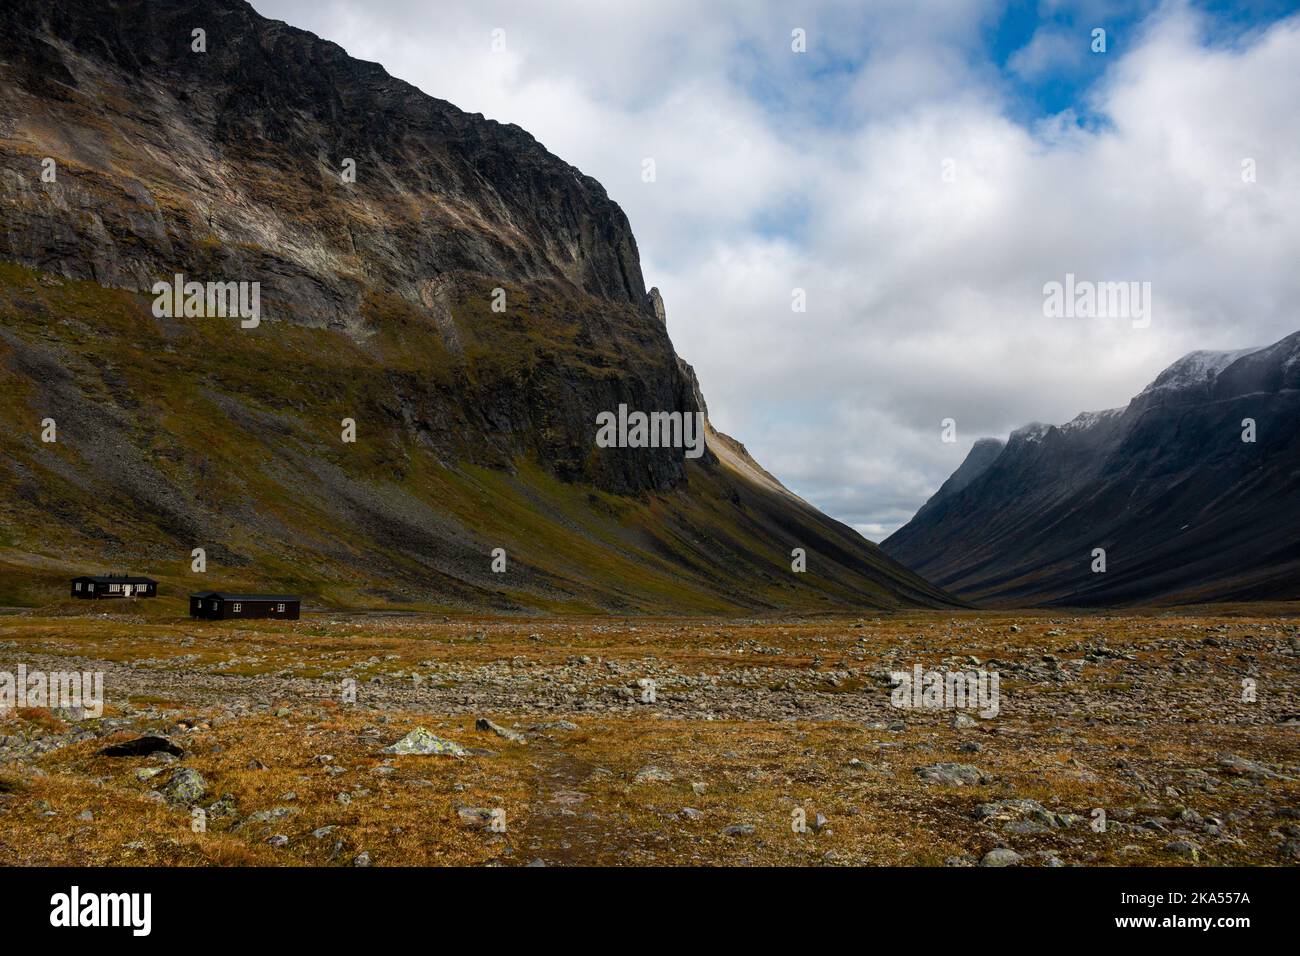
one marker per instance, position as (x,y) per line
(422,742)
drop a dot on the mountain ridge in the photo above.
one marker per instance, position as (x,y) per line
(1183,507)
(474,424)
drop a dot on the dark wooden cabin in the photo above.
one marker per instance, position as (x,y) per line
(220,606)
(113,586)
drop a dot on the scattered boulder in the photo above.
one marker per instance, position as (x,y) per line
(652,775)
(474,816)
(185,787)
(1002,856)
(953,774)
(1002,811)
(505,733)
(420,741)
(1231,763)
(739,830)
(556,725)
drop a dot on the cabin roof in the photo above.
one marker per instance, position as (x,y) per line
(227,596)
(116,579)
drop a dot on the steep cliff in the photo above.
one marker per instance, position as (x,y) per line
(467,300)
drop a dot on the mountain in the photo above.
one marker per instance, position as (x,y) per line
(1184,508)
(468,301)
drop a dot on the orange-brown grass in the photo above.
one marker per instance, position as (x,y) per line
(570,796)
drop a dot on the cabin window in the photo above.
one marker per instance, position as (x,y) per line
(77,586)
(237,608)
(280,608)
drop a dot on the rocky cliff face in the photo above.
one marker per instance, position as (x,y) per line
(231,164)
(245,145)
(470,301)
(1184,508)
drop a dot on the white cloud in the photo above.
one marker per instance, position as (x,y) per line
(823,171)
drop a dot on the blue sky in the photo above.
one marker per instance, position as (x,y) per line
(824,171)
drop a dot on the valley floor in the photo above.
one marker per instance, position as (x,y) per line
(754,725)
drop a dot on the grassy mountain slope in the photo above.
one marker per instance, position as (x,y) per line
(182,433)
(475,427)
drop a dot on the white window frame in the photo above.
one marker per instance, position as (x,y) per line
(279,609)
(236,608)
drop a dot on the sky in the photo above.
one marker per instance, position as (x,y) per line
(922,170)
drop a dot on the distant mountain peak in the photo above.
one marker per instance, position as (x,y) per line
(1186,506)
(1197,368)
(1085,420)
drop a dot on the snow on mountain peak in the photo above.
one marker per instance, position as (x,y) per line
(1085,420)
(1196,368)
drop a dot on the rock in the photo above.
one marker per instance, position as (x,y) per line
(223,806)
(739,830)
(85,816)
(361,859)
(474,816)
(1001,857)
(278,840)
(1185,849)
(142,747)
(655,302)
(952,774)
(652,775)
(268,816)
(1003,810)
(1240,765)
(185,787)
(147,773)
(420,741)
(964,721)
(1025,827)
(690,813)
(556,725)
(321,832)
(506,734)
